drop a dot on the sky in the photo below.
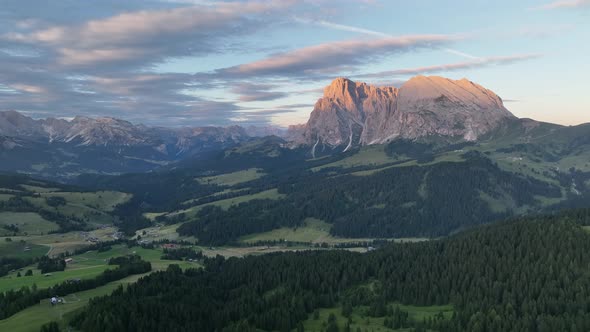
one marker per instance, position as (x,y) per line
(200,63)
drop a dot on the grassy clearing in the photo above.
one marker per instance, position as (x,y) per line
(223,192)
(579,161)
(447,157)
(27,222)
(162,232)
(498,205)
(371,155)
(31,319)
(16,248)
(86,266)
(100,200)
(92,207)
(231,179)
(314,231)
(360,320)
(9,191)
(62,242)
(521,164)
(5,197)
(227,203)
(453,157)
(37,189)
(11,281)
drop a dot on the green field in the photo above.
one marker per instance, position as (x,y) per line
(446,157)
(8,190)
(373,155)
(16,248)
(92,207)
(365,323)
(231,179)
(5,197)
(100,200)
(62,242)
(314,231)
(37,189)
(31,319)
(192,201)
(27,222)
(11,281)
(227,203)
(86,265)
(161,232)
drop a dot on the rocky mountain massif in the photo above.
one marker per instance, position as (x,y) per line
(351,114)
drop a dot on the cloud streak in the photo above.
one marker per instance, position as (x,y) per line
(481,63)
(335,55)
(369,32)
(145,36)
(564,4)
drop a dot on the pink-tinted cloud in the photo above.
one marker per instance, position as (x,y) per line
(147,34)
(335,55)
(479,63)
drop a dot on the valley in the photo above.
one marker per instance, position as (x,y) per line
(273,202)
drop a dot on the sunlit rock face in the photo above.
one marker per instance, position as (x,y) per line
(351,113)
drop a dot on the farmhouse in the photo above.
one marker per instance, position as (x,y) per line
(169,246)
(69,260)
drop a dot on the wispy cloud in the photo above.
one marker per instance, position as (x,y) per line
(257,92)
(564,4)
(349,28)
(335,55)
(483,62)
(142,37)
(342,27)
(100,61)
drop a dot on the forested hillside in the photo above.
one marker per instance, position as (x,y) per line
(521,275)
(425,188)
(398,202)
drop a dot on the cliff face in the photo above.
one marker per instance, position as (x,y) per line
(353,113)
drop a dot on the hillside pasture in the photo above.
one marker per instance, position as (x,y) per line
(227,203)
(17,248)
(313,231)
(231,179)
(27,223)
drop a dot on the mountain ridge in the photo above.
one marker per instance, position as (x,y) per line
(356,113)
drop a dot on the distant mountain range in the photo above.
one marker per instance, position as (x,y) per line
(51,146)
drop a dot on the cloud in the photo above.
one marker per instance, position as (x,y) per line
(369,32)
(483,62)
(564,4)
(342,27)
(334,56)
(146,36)
(257,92)
(99,59)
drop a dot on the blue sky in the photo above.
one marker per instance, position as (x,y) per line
(197,62)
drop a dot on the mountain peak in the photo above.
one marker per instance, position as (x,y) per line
(352,113)
(464,92)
